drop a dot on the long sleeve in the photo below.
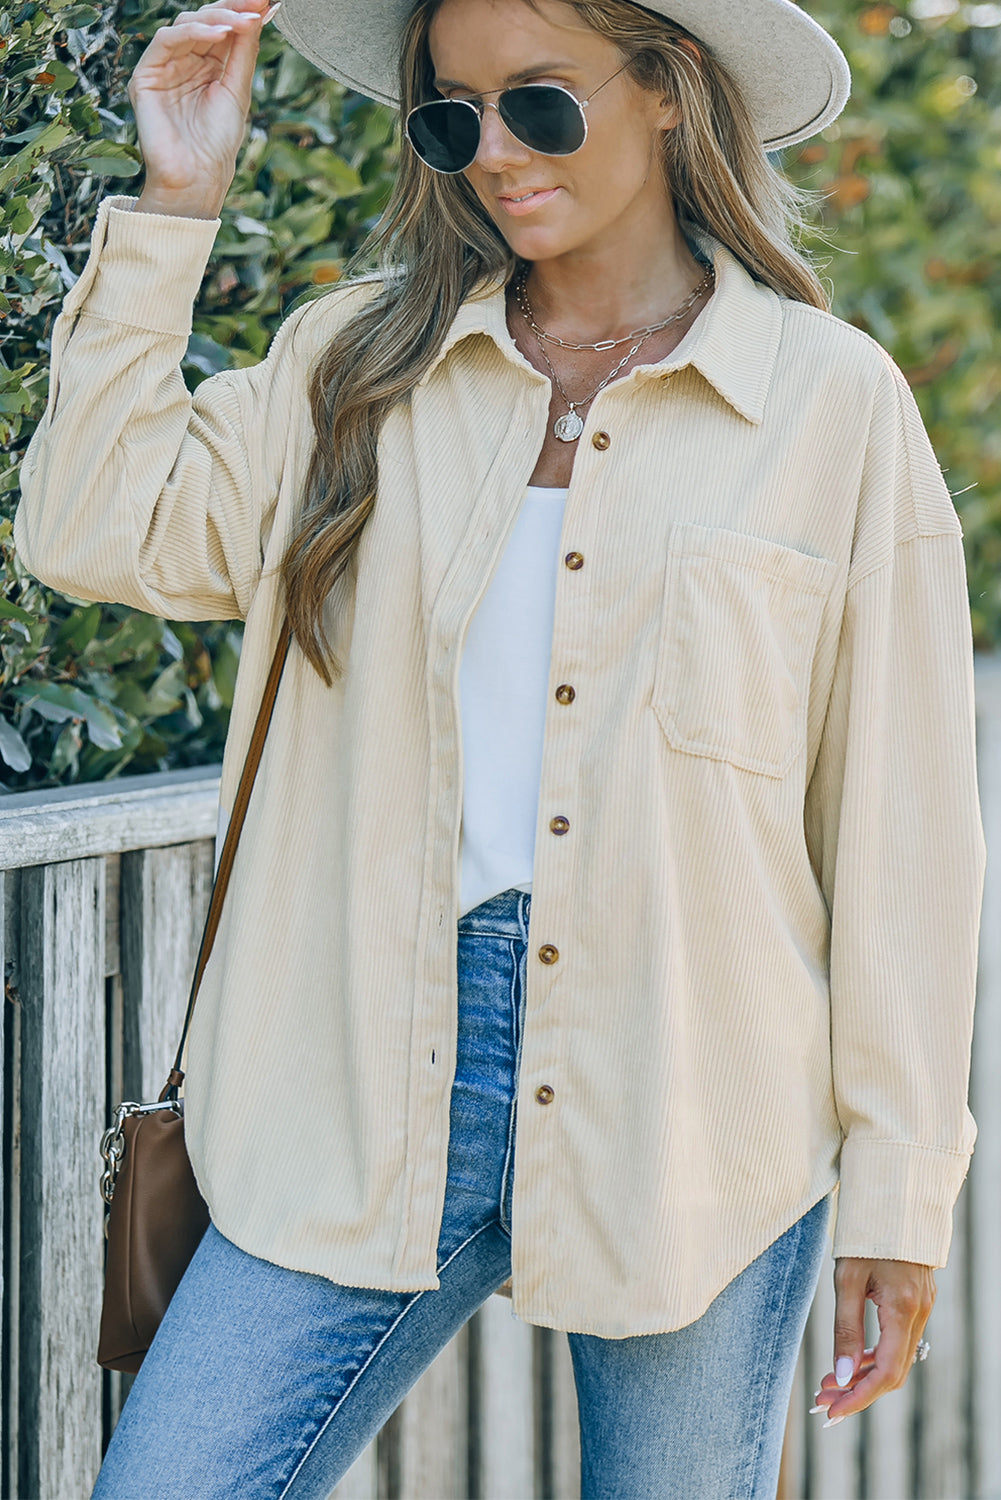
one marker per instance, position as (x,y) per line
(133,490)
(893,823)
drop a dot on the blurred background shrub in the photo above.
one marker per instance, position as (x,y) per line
(911,184)
(88,691)
(908,233)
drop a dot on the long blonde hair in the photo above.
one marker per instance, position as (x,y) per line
(437,246)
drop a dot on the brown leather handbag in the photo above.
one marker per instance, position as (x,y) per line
(156,1215)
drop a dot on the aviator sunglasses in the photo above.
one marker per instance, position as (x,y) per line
(545,117)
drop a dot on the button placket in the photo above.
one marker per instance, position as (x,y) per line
(546,1020)
(433,1035)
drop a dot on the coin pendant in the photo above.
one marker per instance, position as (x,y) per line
(569,427)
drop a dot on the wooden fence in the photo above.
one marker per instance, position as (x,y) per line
(104,892)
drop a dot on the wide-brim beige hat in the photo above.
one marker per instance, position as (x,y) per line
(793,75)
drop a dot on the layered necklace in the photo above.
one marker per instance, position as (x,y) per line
(570,425)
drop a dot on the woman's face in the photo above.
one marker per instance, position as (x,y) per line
(593,203)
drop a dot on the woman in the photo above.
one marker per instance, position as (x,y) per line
(650,662)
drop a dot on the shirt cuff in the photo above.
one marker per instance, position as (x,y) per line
(144,270)
(895,1201)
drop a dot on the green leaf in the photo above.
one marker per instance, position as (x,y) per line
(12,747)
(58,701)
(111,166)
(102,726)
(10,611)
(206,355)
(62,78)
(138,635)
(167,692)
(18,165)
(79,628)
(65,756)
(15,401)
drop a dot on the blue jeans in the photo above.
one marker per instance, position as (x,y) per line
(264,1382)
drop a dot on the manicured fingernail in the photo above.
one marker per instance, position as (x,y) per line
(833,1421)
(844,1369)
(271,11)
(816,1410)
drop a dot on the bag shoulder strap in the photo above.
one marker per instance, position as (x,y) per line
(225,865)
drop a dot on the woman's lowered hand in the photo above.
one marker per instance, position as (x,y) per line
(903,1293)
(191,95)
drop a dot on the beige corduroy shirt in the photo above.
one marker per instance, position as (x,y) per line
(751,958)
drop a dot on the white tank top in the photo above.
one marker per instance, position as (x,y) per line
(503,682)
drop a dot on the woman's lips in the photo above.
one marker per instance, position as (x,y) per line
(519,204)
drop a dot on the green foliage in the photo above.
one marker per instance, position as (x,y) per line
(89,690)
(910,186)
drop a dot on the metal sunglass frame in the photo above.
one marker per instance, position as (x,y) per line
(479,104)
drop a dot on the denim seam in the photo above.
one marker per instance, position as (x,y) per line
(770,1363)
(501,926)
(517,1029)
(505,933)
(374,1351)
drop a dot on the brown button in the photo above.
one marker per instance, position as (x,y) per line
(544,1094)
(559,825)
(574,560)
(601,441)
(565,693)
(548,953)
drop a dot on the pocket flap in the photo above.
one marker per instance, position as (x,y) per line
(740,624)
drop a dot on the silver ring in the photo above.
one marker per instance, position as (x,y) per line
(921,1352)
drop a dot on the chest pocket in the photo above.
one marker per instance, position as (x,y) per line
(741,617)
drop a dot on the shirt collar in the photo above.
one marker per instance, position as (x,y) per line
(733,344)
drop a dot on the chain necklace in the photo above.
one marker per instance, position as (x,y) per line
(569,427)
(521,293)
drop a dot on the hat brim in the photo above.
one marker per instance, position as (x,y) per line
(792,73)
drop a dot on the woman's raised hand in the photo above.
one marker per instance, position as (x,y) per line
(191,95)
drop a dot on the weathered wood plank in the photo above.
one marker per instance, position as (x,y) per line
(506,1438)
(164,898)
(112,900)
(985,1099)
(792,1475)
(432,1429)
(4,1031)
(61,985)
(558,1432)
(11,910)
(137,812)
(940,1384)
(832,1453)
(885,1454)
(888,1429)
(116,1384)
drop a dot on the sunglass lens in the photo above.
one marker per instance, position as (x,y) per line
(546,119)
(445,133)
